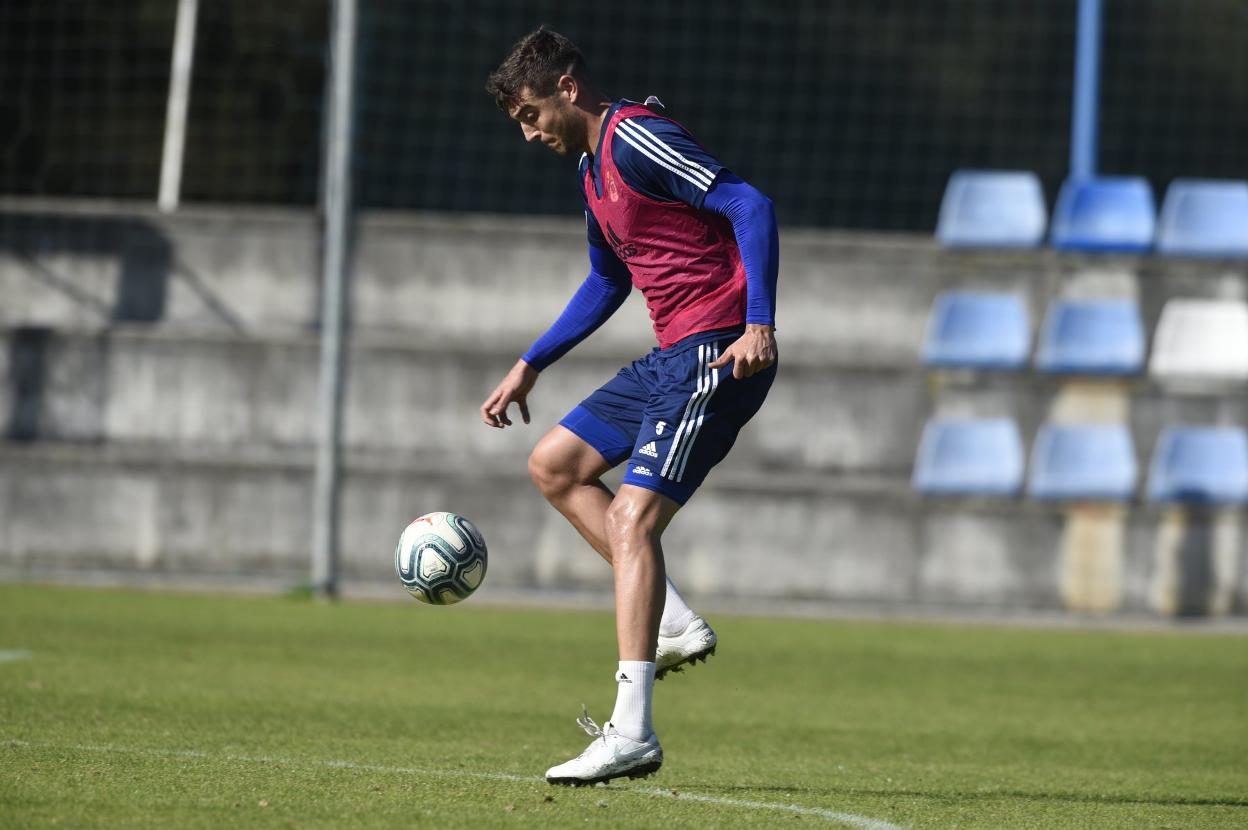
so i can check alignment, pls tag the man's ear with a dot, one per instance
(568, 87)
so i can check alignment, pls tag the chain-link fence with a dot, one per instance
(848, 114)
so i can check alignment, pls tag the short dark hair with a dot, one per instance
(537, 61)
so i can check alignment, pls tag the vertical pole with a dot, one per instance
(175, 109)
(336, 206)
(1083, 127)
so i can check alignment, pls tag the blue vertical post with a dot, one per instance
(1083, 126)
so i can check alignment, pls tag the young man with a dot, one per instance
(667, 217)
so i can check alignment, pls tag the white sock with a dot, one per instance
(676, 614)
(634, 689)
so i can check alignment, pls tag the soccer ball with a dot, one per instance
(441, 558)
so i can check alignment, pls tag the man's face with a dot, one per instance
(551, 120)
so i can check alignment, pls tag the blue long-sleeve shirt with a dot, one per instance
(608, 283)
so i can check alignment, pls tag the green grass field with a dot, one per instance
(134, 709)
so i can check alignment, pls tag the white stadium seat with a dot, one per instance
(1201, 340)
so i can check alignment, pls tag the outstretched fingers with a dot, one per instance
(749, 354)
(730, 355)
(744, 362)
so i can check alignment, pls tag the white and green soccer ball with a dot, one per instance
(441, 558)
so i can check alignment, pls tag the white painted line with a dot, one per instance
(862, 822)
(12, 656)
(848, 819)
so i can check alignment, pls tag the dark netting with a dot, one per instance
(1175, 89)
(849, 114)
(254, 128)
(82, 96)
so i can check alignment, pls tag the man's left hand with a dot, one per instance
(751, 353)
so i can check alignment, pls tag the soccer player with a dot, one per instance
(701, 245)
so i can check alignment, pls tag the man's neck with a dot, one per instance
(595, 127)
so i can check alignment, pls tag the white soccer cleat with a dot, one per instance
(610, 756)
(696, 642)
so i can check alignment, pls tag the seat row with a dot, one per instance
(1084, 462)
(1195, 339)
(1006, 209)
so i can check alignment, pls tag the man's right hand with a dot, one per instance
(513, 389)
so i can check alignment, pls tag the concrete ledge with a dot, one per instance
(863, 298)
(411, 398)
(759, 537)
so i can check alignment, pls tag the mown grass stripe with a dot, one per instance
(849, 819)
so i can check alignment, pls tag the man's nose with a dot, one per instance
(530, 133)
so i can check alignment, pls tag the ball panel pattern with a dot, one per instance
(441, 558)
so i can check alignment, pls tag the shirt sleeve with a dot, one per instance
(753, 221)
(660, 159)
(600, 295)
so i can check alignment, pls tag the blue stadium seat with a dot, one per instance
(969, 329)
(1086, 462)
(979, 457)
(1091, 337)
(1110, 215)
(992, 209)
(1204, 217)
(1200, 464)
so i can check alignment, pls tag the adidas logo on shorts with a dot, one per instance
(642, 471)
(650, 450)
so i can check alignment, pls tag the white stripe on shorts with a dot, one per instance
(697, 427)
(684, 421)
(686, 433)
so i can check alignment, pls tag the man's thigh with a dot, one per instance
(564, 450)
(610, 418)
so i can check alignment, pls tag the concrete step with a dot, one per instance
(139, 509)
(853, 297)
(140, 386)
(136, 385)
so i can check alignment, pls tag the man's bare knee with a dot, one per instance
(630, 524)
(621, 522)
(550, 471)
(562, 461)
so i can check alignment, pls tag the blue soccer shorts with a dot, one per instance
(670, 415)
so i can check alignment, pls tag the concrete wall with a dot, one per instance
(158, 388)
(136, 510)
(189, 392)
